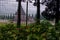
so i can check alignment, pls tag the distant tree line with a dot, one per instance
(9, 16)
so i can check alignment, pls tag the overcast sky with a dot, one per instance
(10, 6)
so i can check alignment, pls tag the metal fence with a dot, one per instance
(48, 12)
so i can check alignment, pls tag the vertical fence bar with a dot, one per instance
(27, 13)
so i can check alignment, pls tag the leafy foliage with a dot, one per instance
(43, 31)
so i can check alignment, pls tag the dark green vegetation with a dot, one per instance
(52, 10)
(7, 17)
(43, 31)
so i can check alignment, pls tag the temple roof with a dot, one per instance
(22, 12)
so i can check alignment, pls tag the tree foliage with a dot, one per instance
(50, 11)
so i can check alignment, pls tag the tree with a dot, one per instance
(48, 14)
(19, 14)
(38, 12)
(57, 12)
(19, 18)
(52, 11)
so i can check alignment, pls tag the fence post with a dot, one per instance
(27, 13)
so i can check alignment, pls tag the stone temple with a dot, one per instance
(23, 17)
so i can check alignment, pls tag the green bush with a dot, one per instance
(43, 31)
(7, 32)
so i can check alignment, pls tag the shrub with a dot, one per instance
(43, 31)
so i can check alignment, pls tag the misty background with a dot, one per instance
(10, 7)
